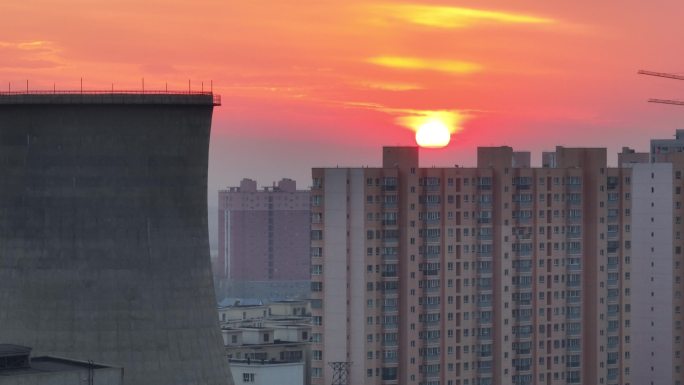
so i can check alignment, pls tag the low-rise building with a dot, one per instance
(267, 372)
(267, 344)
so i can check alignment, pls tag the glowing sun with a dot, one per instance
(433, 134)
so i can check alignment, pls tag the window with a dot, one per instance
(247, 377)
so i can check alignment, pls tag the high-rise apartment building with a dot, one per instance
(496, 274)
(264, 239)
(657, 239)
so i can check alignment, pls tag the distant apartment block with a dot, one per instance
(497, 274)
(264, 239)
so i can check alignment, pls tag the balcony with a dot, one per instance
(392, 326)
(571, 316)
(574, 266)
(431, 255)
(574, 299)
(612, 263)
(573, 348)
(431, 357)
(431, 306)
(390, 241)
(523, 269)
(485, 370)
(431, 374)
(522, 204)
(522, 220)
(523, 336)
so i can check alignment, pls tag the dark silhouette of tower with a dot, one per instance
(104, 249)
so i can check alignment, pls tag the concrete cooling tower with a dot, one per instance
(104, 251)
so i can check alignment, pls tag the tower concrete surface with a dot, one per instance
(104, 251)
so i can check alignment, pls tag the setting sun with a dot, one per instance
(433, 134)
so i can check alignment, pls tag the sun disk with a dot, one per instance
(433, 134)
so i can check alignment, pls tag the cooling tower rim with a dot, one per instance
(110, 98)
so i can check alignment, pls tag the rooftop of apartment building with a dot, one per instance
(250, 186)
(501, 156)
(240, 302)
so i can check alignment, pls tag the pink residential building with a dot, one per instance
(263, 235)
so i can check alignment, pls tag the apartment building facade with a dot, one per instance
(263, 240)
(500, 273)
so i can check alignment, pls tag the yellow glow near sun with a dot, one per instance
(433, 127)
(412, 63)
(456, 17)
(433, 134)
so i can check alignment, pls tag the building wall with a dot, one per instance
(335, 273)
(672, 151)
(652, 282)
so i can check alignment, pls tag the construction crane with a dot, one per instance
(664, 75)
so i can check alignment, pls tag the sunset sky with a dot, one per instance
(324, 83)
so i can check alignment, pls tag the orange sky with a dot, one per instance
(318, 83)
